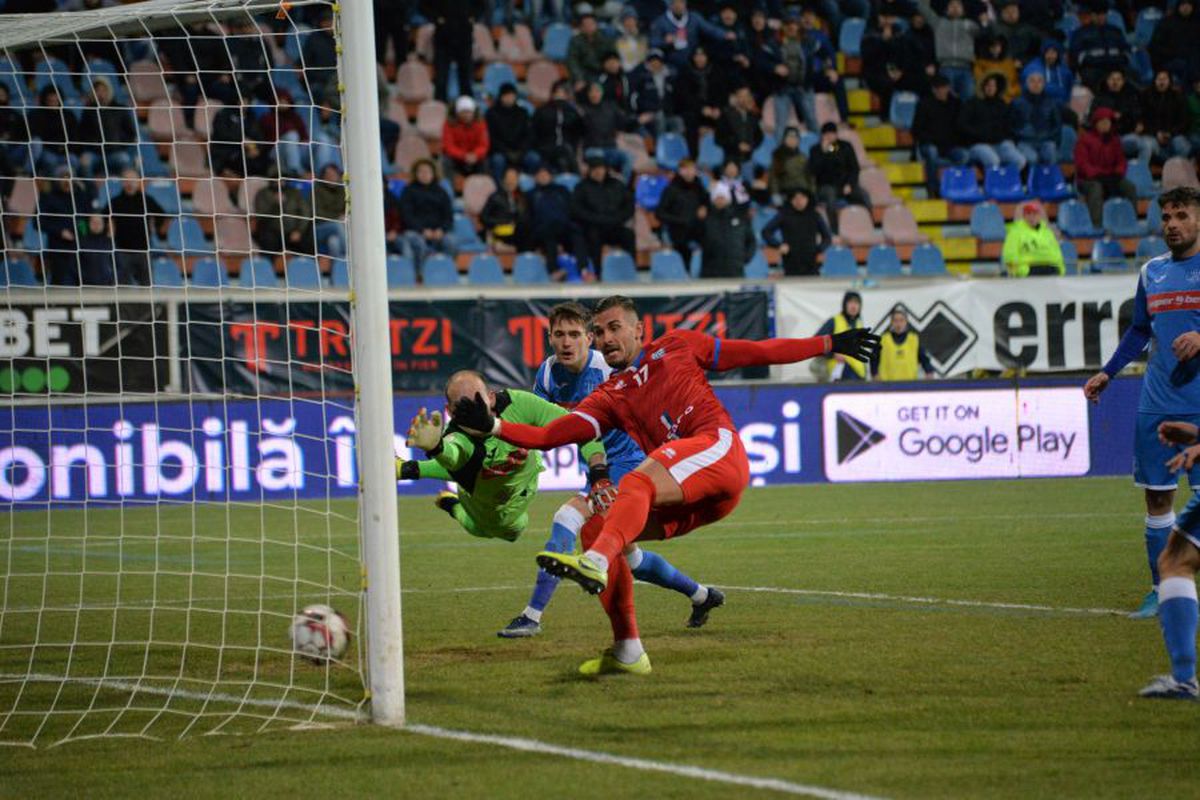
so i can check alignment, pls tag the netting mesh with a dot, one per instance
(177, 461)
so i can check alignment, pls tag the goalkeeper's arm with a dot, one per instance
(415, 470)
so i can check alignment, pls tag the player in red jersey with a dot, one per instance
(696, 467)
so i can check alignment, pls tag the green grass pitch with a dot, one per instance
(843, 658)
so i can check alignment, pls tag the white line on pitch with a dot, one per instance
(929, 601)
(647, 765)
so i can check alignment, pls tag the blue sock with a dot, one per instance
(567, 522)
(1158, 528)
(1177, 615)
(653, 568)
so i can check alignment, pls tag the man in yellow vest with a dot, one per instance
(1030, 246)
(844, 368)
(901, 356)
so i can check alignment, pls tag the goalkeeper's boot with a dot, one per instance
(1149, 607)
(1165, 687)
(607, 664)
(578, 568)
(715, 599)
(521, 627)
(446, 501)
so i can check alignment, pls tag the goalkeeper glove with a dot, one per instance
(603, 491)
(407, 470)
(857, 343)
(474, 413)
(425, 432)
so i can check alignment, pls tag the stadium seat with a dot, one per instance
(1121, 220)
(466, 238)
(757, 268)
(1107, 256)
(900, 227)
(165, 272)
(987, 223)
(1075, 221)
(22, 201)
(1046, 183)
(209, 273)
(18, 92)
(927, 260)
(1003, 184)
(530, 268)
(210, 197)
(1070, 256)
(556, 38)
(1179, 171)
(857, 228)
(303, 273)
(401, 272)
(54, 70)
(667, 265)
(1154, 215)
(827, 111)
(540, 78)
(475, 193)
(257, 272)
(496, 75)
(1141, 69)
(1068, 24)
(232, 234)
(485, 270)
(1138, 173)
(902, 110)
(339, 274)
(439, 270)
(839, 263)
(960, 185)
(33, 240)
(1151, 246)
(1116, 19)
(883, 262)
(618, 267)
(851, 35)
(146, 82)
(431, 117)
(761, 157)
(484, 45)
(184, 235)
(669, 150)
(711, 156)
(17, 272)
(1143, 28)
(517, 46)
(648, 190)
(567, 180)
(875, 183)
(152, 163)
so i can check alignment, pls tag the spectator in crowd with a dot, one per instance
(548, 222)
(739, 130)
(839, 367)
(731, 177)
(1024, 40)
(1030, 244)
(393, 21)
(236, 144)
(682, 209)
(586, 52)
(822, 75)
(393, 224)
(1100, 165)
(617, 86)
(1173, 46)
(731, 52)
(504, 214)
(653, 101)
(1164, 118)
(794, 89)
(453, 32)
(1124, 101)
(108, 132)
(557, 130)
(329, 210)
(631, 45)
(1037, 122)
(510, 133)
(48, 131)
(800, 233)
(789, 168)
(284, 125)
(678, 32)
(14, 140)
(1193, 109)
(994, 60)
(601, 208)
(134, 214)
(427, 213)
(283, 219)
(96, 251)
(834, 168)
(954, 39)
(767, 73)
(885, 60)
(1097, 48)
(319, 54)
(729, 242)
(935, 130)
(1058, 76)
(464, 139)
(59, 205)
(602, 121)
(901, 357)
(985, 123)
(248, 56)
(707, 92)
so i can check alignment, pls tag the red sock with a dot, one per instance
(626, 517)
(617, 597)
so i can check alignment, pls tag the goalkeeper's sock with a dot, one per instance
(1158, 528)
(1177, 615)
(653, 568)
(563, 532)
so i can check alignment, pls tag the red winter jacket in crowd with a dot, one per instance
(459, 139)
(1099, 156)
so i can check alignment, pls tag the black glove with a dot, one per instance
(407, 470)
(474, 413)
(857, 343)
(603, 491)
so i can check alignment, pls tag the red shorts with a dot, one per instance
(713, 471)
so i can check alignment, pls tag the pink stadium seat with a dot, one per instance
(165, 121)
(850, 135)
(517, 47)
(646, 238)
(210, 197)
(23, 200)
(856, 227)
(431, 118)
(410, 149)
(1081, 101)
(770, 124)
(395, 110)
(413, 82)
(1179, 171)
(476, 191)
(900, 227)
(540, 79)
(190, 159)
(424, 43)
(875, 182)
(232, 234)
(250, 189)
(205, 112)
(146, 82)
(484, 47)
(634, 146)
(827, 110)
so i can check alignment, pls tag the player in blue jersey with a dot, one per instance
(565, 378)
(1167, 312)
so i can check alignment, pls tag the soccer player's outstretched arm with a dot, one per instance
(736, 353)
(535, 410)
(474, 413)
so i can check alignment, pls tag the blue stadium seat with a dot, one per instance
(987, 222)
(696, 263)
(303, 273)
(1116, 19)
(152, 163)
(166, 194)
(439, 270)
(556, 38)
(184, 235)
(648, 190)
(485, 270)
(567, 180)
(1075, 221)
(761, 157)
(395, 186)
(667, 265)
(927, 260)
(1120, 218)
(496, 75)
(1107, 256)
(902, 110)
(1140, 66)
(466, 238)
(1003, 184)
(401, 272)
(757, 268)
(54, 70)
(18, 92)
(883, 262)
(669, 150)
(166, 272)
(1143, 28)
(32, 240)
(209, 273)
(851, 35)
(960, 185)
(1138, 173)
(807, 140)
(618, 267)
(839, 263)
(530, 268)
(339, 274)
(17, 272)
(1070, 256)
(711, 156)
(1046, 183)
(257, 272)
(1150, 247)
(1154, 215)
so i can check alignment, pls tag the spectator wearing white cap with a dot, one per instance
(729, 241)
(465, 141)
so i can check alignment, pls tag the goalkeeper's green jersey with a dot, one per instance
(496, 480)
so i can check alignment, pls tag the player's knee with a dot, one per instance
(567, 522)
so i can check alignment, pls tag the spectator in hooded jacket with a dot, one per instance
(683, 208)
(1097, 48)
(586, 52)
(1173, 46)
(678, 32)
(1024, 39)
(427, 213)
(548, 222)
(653, 100)
(1100, 165)
(986, 122)
(465, 141)
(557, 129)
(506, 211)
(1164, 118)
(834, 168)
(617, 86)
(602, 121)
(1059, 78)
(1037, 122)
(48, 131)
(994, 60)
(707, 92)
(800, 233)
(729, 242)
(1126, 104)
(739, 130)
(510, 133)
(109, 132)
(935, 130)
(788, 172)
(822, 74)
(954, 39)
(601, 208)
(60, 205)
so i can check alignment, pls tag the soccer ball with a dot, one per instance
(320, 634)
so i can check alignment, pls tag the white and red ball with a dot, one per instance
(320, 634)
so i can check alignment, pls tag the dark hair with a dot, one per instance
(569, 311)
(1180, 196)
(462, 373)
(615, 301)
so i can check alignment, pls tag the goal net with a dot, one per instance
(181, 348)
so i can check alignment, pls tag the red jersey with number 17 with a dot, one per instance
(664, 395)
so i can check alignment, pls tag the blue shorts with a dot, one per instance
(1188, 520)
(1150, 456)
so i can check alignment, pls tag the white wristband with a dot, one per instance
(496, 427)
